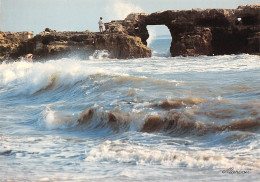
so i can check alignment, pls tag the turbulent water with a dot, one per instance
(150, 119)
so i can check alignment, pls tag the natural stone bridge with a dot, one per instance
(194, 32)
(203, 31)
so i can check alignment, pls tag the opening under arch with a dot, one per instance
(159, 40)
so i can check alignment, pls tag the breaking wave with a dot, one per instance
(161, 115)
(181, 118)
(99, 55)
(123, 152)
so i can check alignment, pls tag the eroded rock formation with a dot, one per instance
(194, 32)
(58, 44)
(204, 31)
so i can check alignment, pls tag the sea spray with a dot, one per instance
(156, 119)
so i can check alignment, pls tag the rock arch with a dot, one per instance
(204, 31)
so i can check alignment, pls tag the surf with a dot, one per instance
(169, 113)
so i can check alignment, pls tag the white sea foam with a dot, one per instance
(165, 53)
(99, 55)
(41, 133)
(28, 78)
(121, 152)
(52, 119)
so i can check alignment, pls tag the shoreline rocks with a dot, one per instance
(194, 32)
(50, 44)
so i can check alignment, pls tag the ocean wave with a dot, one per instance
(121, 152)
(180, 120)
(190, 114)
(29, 78)
(52, 119)
(178, 123)
(181, 102)
(33, 78)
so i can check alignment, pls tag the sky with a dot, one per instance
(81, 15)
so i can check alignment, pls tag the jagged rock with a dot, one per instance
(194, 32)
(10, 43)
(205, 31)
(55, 44)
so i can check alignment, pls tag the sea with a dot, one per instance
(148, 119)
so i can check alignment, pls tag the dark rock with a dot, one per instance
(51, 44)
(205, 31)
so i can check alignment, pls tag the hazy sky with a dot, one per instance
(80, 15)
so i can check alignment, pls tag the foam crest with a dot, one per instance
(52, 119)
(179, 117)
(99, 55)
(29, 78)
(121, 152)
(10, 72)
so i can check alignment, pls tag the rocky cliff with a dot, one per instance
(194, 32)
(50, 43)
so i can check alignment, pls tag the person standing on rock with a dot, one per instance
(100, 23)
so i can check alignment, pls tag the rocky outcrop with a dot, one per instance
(56, 44)
(205, 31)
(194, 32)
(11, 41)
